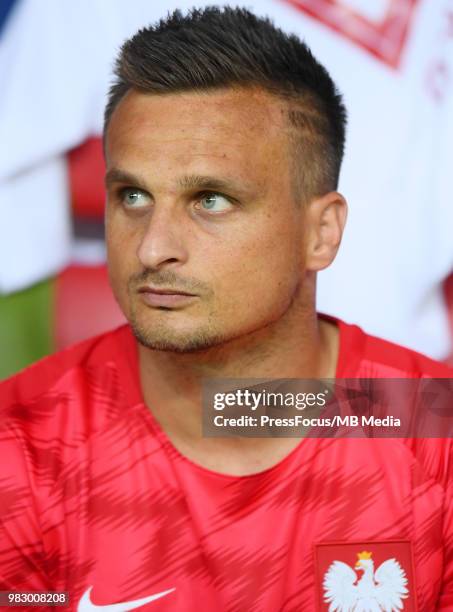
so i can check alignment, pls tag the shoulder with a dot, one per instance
(403, 360)
(52, 371)
(50, 411)
(71, 394)
(366, 356)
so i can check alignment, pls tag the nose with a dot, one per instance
(163, 242)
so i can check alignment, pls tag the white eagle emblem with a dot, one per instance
(372, 592)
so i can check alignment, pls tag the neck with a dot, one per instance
(300, 351)
(298, 345)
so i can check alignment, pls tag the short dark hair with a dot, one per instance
(214, 48)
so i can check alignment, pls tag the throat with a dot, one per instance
(172, 389)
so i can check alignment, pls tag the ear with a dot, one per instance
(326, 218)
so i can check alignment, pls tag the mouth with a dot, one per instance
(160, 291)
(159, 297)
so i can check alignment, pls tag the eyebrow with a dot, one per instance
(188, 182)
(196, 181)
(116, 175)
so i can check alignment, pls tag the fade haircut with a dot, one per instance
(215, 48)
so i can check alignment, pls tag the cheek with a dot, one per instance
(121, 258)
(262, 268)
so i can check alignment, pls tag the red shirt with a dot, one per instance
(94, 494)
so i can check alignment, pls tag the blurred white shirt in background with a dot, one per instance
(392, 60)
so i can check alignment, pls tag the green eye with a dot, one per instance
(215, 202)
(134, 198)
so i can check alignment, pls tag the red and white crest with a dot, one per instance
(365, 576)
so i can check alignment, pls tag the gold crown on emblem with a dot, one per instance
(364, 555)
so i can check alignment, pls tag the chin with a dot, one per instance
(164, 338)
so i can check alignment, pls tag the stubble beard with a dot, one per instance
(160, 336)
(154, 329)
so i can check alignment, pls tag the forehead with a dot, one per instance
(245, 127)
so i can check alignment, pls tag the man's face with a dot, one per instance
(201, 202)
